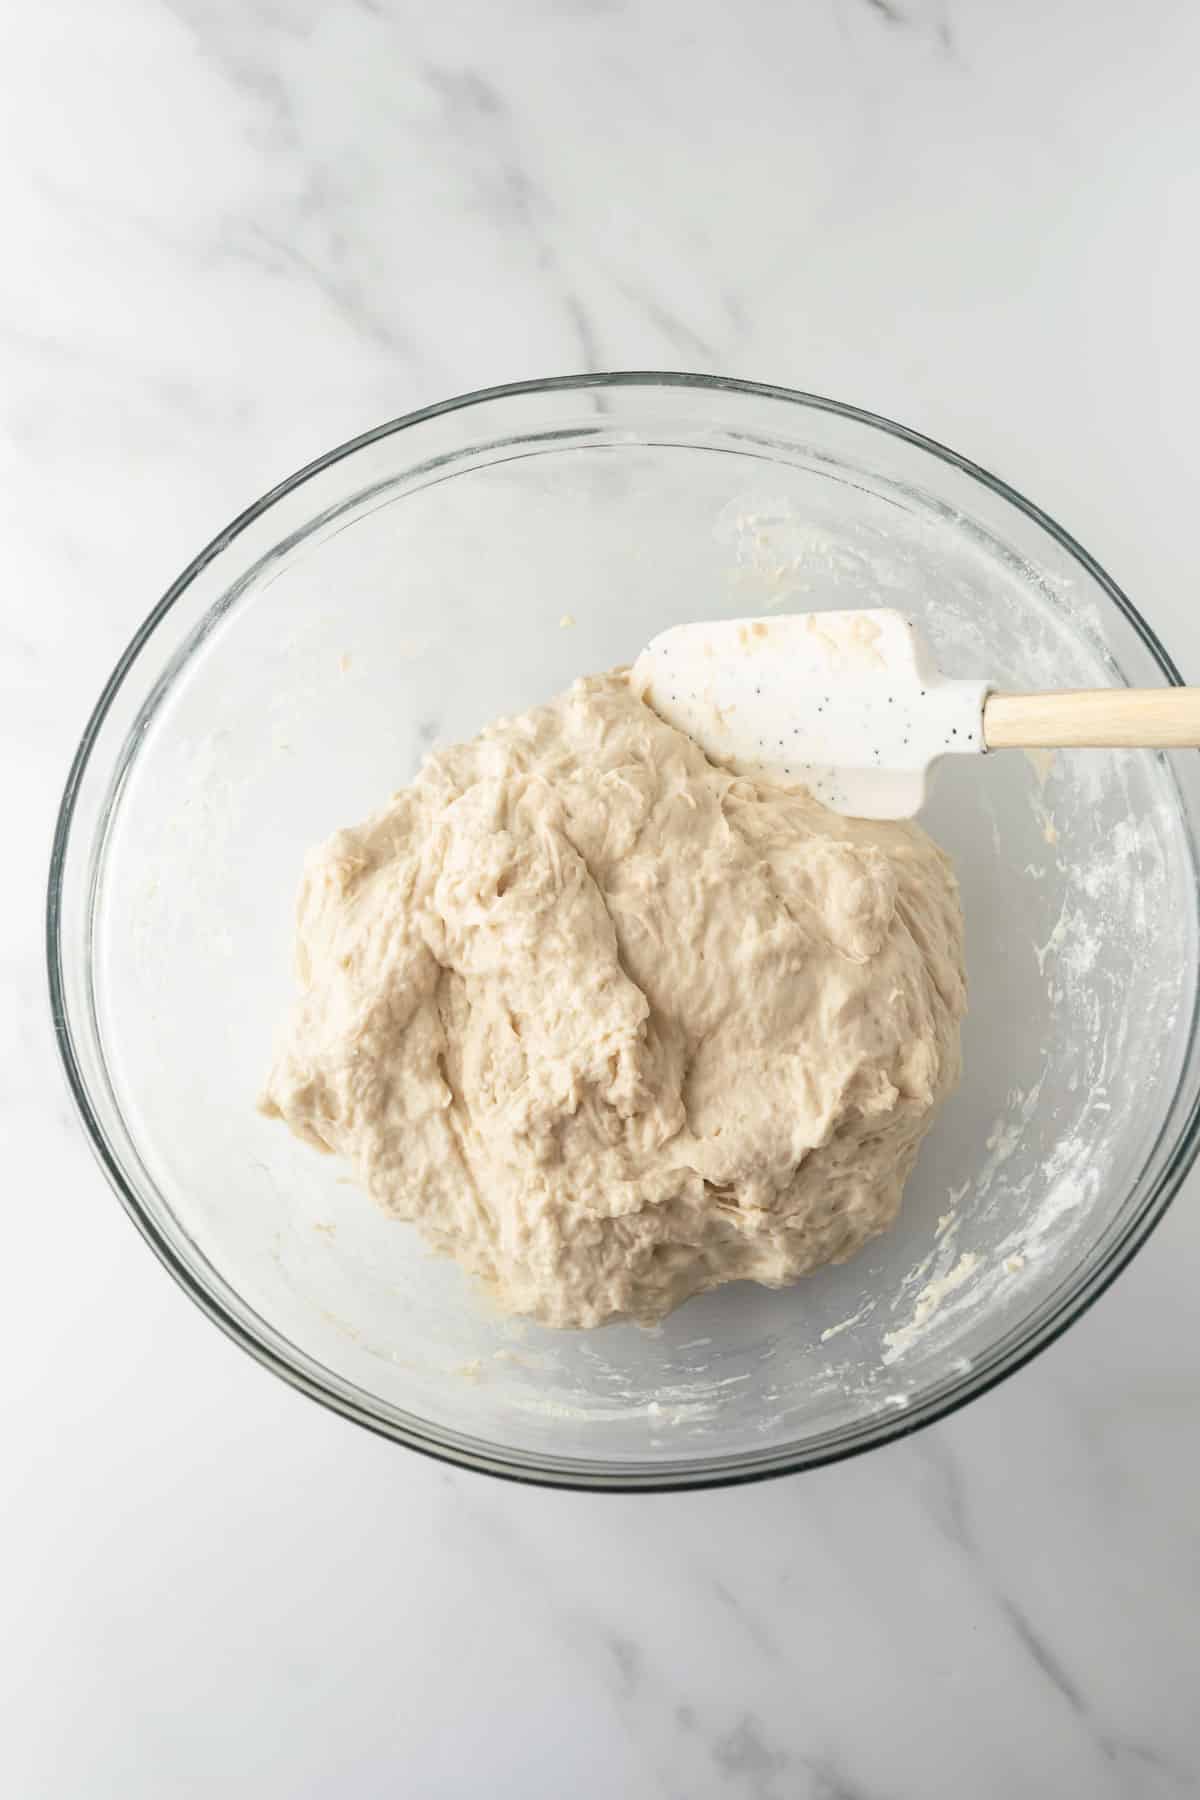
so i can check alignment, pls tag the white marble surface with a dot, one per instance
(238, 231)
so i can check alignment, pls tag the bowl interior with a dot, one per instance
(406, 600)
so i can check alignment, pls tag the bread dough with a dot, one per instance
(614, 1026)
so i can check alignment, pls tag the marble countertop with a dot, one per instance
(240, 231)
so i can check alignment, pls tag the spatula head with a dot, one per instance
(847, 704)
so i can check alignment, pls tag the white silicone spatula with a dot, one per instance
(852, 706)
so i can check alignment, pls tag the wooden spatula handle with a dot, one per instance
(1145, 718)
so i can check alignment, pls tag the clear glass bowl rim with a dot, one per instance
(544, 1472)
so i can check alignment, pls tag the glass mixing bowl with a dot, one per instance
(470, 561)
